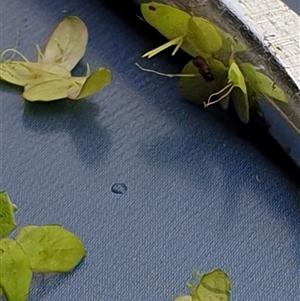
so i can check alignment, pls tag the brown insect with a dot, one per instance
(203, 68)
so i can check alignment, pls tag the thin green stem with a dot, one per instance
(177, 41)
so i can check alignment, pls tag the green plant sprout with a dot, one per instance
(50, 78)
(231, 79)
(46, 248)
(211, 286)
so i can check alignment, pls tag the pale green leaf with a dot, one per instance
(251, 81)
(250, 75)
(67, 43)
(96, 81)
(269, 88)
(51, 89)
(169, 21)
(68, 87)
(7, 219)
(21, 73)
(23, 232)
(213, 286)
(51, 248)
(241, 104)
(197, 89)
(204, 36)
(236, 77)
(194, 35)
(15, 275)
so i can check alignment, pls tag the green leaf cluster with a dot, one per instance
(211, 286)
(50, 78)
(239, 82)
(46, 248)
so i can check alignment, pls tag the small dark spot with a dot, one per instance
(203, 68)
(119, 188)
(274, 86)
(152, 7)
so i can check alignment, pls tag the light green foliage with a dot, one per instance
(15, 275)
(204, 36)
(67, 87)
(194, 35)
(269, 88)
(236, 77)
(46, 248)
(250, 75)
(49, 78)
(212, 286)
(229, 44)
(51, 248)
(23, 72)
(67, 43)
(238, 93)
(169, 21)
(50, 89)
(197, 89)
(7, 219)
(226, 86)
(261, 84)
(96, 81)
(200, 37)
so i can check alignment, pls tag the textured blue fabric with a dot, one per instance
(201, 191)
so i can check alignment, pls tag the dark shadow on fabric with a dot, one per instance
(47, 283)
(10, 88)
(78, 119)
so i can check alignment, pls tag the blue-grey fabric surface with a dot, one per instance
(203, 191)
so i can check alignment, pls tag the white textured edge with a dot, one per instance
(276, 26)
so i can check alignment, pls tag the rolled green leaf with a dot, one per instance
(15, 275)
(7, 219)
(67, 43)
(51, 248)
(213, 286)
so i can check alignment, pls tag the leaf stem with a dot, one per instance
(177, 41)
(14, 51)
(165, 74)
(209, 103)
